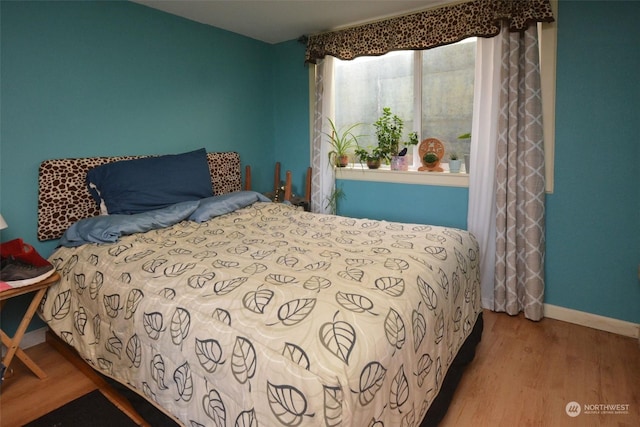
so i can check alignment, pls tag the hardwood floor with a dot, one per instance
(524, 374)
(25, 398)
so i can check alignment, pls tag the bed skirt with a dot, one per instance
(467, 352)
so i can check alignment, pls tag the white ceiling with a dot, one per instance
(275, 21)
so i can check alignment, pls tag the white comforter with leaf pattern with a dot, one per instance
(273, 316)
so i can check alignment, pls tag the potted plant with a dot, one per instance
(454, 162)
(430, 160)
(389, 132)
(341, 141)
(372, 156)
(336, 195)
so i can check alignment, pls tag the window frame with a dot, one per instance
(548, 53)
(548, 32)
(358, 172)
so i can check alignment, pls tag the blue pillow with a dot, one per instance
(149, 183)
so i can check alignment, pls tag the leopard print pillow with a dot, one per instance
(63, 197)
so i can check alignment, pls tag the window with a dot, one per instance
(432, 91)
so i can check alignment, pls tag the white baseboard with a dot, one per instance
(594, 321)
(34, 337)
(31, 338)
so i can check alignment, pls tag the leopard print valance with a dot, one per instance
(429, 29)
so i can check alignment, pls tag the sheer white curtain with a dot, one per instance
(322, 181)
(481, 216)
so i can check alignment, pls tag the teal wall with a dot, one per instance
(593, 225)
(421, 204)
(85, 79)
(105, 78)
(291, 112)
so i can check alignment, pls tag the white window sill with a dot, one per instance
(358, 172)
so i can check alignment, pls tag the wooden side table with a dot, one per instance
(13, 344)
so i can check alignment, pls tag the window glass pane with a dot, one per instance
(447, 94)
(365, 85)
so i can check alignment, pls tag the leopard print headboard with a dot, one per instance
(63, 197)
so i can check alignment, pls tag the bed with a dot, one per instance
(233, 310)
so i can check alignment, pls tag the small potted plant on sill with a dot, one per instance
(341, 141)
(430, 160)
(454, 162)
(372, 157)
(389, 132)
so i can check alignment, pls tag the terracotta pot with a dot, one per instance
(342, 161)
(431, 165)
(373, 164)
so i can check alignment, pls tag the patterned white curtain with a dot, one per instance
(520, 184)
(322, 178)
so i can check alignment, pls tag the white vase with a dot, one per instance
(454, 166)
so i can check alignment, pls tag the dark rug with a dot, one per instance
(151, 414)
(95, 410)
(92, 409)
